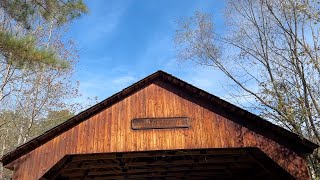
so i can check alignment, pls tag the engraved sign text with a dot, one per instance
(160, 123)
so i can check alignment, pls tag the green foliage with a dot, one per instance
(11, 122)
(59, 10)
(23, 52)
(36, 65)
(52, 119)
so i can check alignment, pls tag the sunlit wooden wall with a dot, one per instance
(110, 131)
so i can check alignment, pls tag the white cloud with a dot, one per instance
(105, 25)
(101, 23)
(105, 85)
(123, 81)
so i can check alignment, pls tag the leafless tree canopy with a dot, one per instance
(270, 50)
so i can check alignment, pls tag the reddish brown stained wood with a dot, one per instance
(75, 139)
(110, 131)
(90, 139)
(97, 127)
(101, 132)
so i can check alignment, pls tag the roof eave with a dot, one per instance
(306, 146)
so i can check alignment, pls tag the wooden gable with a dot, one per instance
(107, 128)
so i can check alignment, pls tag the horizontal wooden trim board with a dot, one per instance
(160, 123)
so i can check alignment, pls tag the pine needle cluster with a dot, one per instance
(23, 51)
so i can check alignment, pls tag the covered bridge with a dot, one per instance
(162, 128)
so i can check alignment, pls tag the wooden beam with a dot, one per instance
(53, 173)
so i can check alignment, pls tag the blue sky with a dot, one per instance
(121, 42)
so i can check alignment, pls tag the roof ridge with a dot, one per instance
(307, 145)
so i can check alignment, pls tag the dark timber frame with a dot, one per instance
(234, 163)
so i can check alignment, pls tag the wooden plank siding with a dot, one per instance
(110, 131)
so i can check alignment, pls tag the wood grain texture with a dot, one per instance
(110, 131)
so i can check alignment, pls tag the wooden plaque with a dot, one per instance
(160, 123)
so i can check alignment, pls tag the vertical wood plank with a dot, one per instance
(110, 131)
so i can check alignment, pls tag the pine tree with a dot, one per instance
(19, 47)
